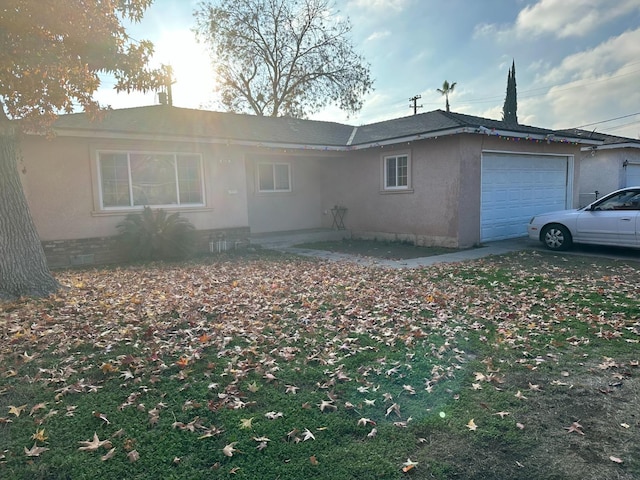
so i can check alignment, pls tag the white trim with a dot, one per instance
(611, 146)
(402, 188)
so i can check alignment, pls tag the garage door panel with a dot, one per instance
(516, 187)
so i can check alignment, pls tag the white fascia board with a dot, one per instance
(326, 148)
(613, 146)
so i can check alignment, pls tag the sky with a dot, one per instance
(577, 61)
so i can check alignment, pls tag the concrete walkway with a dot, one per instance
(492, 248)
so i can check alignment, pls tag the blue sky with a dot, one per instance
(577, 61)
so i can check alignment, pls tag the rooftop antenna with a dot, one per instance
(414, 103)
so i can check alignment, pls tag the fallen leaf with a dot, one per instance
(574, 427)
(34, 451)
(108, 455)
(101, 417)
(229, 449)
(520, 396)
(16, 410)
(39, 436)
(133, 456)
(327, 404)
(245, 423)
(313, 460)
(291, 389)
(94, 444)
(471, 425)
(37, 407)
(408, 465)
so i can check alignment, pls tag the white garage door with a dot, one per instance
(516, 187)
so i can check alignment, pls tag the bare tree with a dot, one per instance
(282, 57)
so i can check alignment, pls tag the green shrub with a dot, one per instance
(155, 235)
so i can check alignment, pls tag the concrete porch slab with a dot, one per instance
(275, 240)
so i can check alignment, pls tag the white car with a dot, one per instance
(612, 220)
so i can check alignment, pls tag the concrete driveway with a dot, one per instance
(499, 247)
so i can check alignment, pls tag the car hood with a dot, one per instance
(561, 213)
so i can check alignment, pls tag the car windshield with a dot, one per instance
(627, 200)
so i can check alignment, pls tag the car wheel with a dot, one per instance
(556, 237)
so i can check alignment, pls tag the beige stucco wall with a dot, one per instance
(426, 214)
(60, 180)
(299, 209)
(443, 205)
(604, 171)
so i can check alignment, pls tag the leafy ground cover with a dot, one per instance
(377, 249)
(273, 366)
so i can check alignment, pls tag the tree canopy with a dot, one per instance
(51, 55)
(283, 57)
(52, 52)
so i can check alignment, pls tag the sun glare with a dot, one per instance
(193, 74)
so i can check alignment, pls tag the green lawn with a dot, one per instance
(267, 366)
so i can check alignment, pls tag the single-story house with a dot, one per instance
(607, 167)
(437, 178)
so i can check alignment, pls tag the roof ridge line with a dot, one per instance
(352, 136)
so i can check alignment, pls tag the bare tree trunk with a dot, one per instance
(23, 266)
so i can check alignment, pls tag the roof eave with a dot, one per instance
(612, 146)
(549, 138)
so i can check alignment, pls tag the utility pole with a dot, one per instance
(166, 96)
(415, 105)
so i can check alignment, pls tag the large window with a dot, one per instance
(396, 172)
(139, 179)
(274, 177)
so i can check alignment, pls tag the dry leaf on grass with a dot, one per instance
(94, 444)
(34, 451)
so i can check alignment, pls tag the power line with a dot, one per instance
(609, 120)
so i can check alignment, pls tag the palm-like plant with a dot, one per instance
(446, 90)
(154, 235)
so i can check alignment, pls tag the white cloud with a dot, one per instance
(560, 18)
(590, 86)
(378, 35)
(603, 60)
(568, 19)
(379, 5)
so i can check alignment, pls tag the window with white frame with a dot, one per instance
(274, 177)
(396, 172)
(131, 179)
